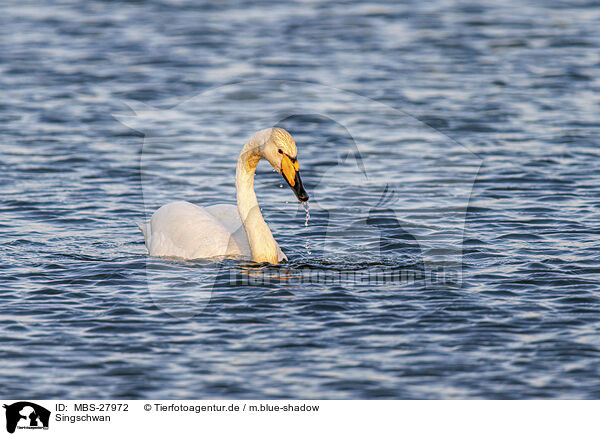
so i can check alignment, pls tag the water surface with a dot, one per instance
(491, 107)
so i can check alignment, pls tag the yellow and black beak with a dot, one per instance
(290, 172)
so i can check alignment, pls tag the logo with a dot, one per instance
(407, 225)
(26, 415)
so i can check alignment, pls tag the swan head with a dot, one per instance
(280, 150)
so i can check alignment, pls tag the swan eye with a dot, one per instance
(280, 151)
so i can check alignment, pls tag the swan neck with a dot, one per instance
(261, 241)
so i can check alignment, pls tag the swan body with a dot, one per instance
(184, 230)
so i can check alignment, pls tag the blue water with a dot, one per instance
(460, 137)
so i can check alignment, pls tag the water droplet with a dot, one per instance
(306, 210)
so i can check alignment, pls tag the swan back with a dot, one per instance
(181, 229)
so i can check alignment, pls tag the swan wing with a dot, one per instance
(280, 254)
(229, 216)
(184, 230)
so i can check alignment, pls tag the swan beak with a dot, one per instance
(290, 172)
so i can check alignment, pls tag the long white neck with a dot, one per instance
(260, 238)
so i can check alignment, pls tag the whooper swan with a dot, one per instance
(184, 230)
